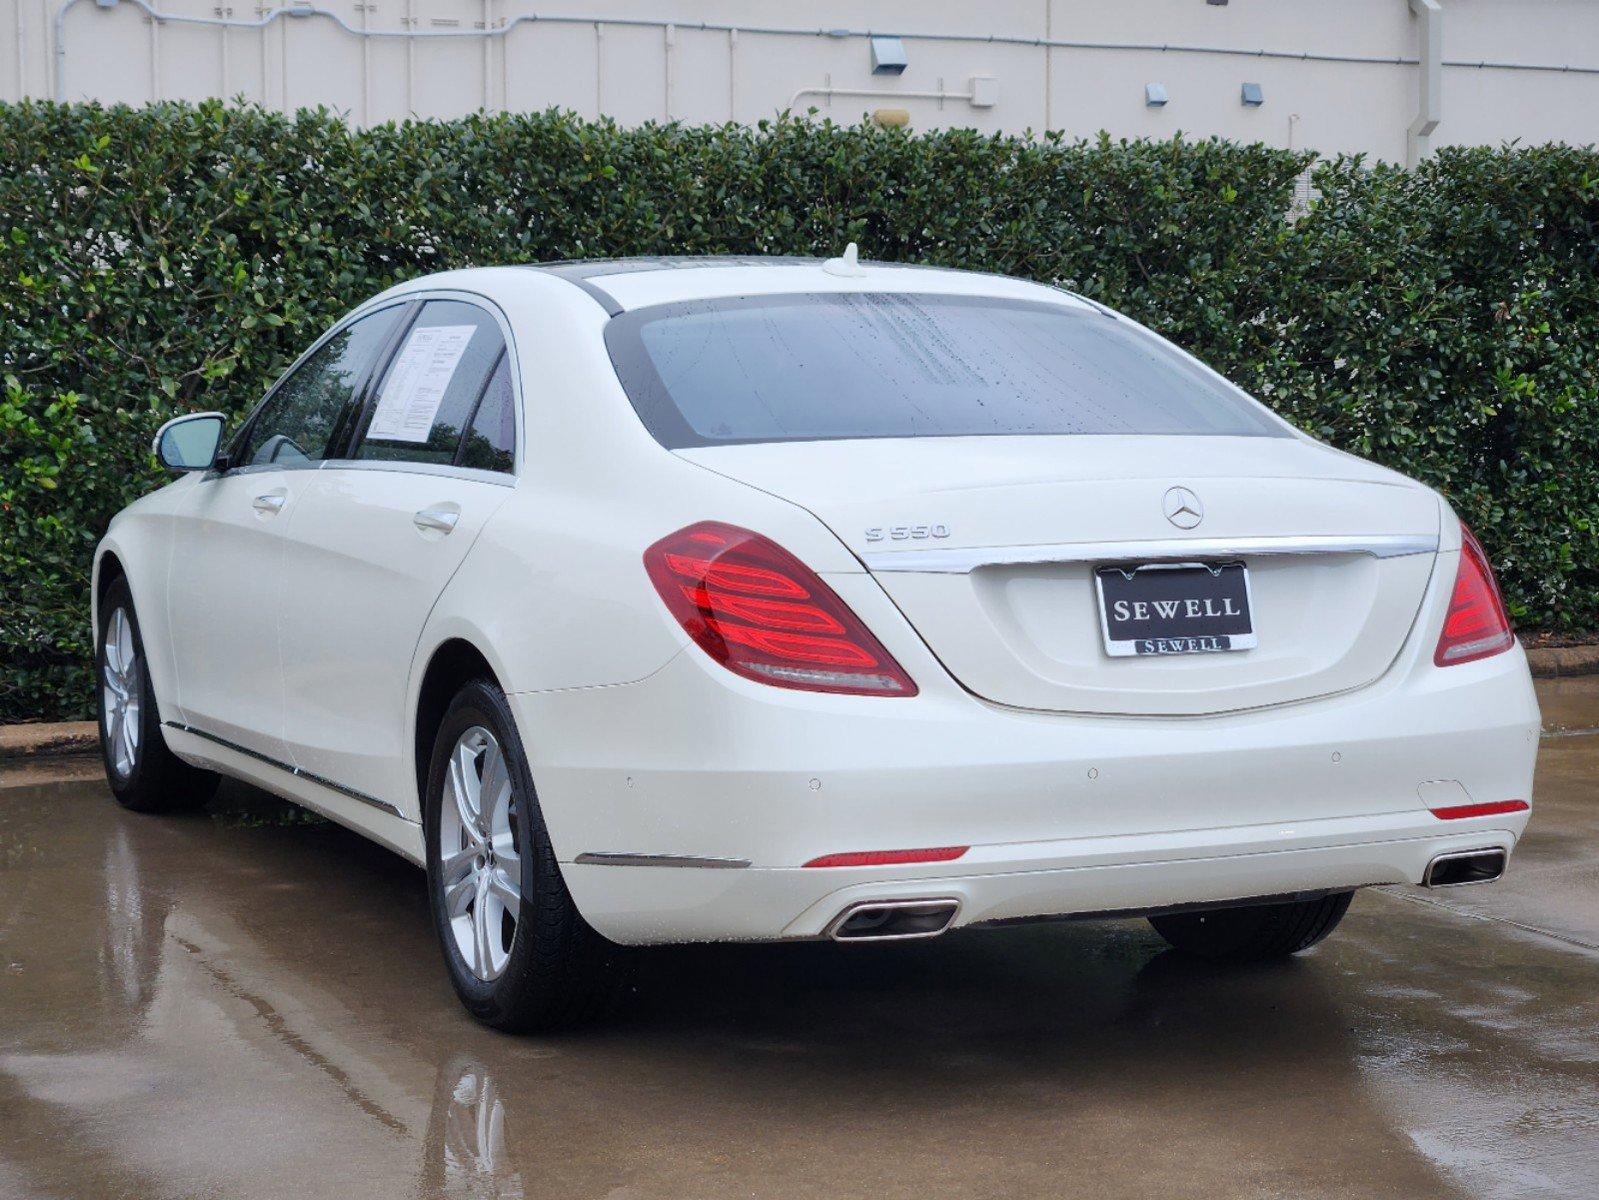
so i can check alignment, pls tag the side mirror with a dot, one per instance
(189, 443)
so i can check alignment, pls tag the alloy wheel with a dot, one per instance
(120, 694)
(480, 861)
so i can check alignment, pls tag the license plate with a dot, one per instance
(1175, 608)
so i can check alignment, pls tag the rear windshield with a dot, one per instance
(884, 365)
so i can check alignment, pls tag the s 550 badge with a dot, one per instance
(905, 533)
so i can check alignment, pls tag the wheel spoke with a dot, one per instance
(458, 895)
(129, 737)
(508, 893)
(456, 782)
(469, 788)
(125, 641)
(495, 791)
(113, 644)
(480, 930)
(456, 864)
(113, 733)
(509, 861)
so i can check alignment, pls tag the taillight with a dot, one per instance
(1476, 626)
(763, 614)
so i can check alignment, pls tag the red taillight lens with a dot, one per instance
(889, 858)
(1493, 808)
(763, 614)
(1476, 626)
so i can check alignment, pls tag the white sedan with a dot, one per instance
(666, 600)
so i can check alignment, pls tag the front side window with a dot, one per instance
(808, 367)
(433, 384)
(298, 420)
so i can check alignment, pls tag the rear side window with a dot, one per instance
(295, 423)
(884, 365)
(491, 441)
(430, 389)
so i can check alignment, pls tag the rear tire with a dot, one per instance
(145, 776)
(1253, 932)
(520, 955)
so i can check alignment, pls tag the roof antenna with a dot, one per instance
(847, 263)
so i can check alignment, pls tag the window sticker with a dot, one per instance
(417, 382)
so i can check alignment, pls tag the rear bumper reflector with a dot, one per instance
(889, 858)
(1492, 809)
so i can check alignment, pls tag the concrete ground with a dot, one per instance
(247, 1004)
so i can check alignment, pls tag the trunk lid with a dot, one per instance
(989, 546)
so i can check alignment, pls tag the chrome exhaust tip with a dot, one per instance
(1464, 866)
(893, 920)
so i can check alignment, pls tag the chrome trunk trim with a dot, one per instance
(961, 562)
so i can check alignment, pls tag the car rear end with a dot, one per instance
(1108, 637)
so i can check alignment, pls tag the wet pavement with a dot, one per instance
(247, 1004)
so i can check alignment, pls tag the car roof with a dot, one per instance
(621, 284)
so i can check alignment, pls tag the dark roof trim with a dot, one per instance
(602, 297)
(583, 271)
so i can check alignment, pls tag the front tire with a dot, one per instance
(1253, 932)
(519, 953)
(144, 775)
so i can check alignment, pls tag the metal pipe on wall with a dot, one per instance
(668, 41)
(829, 91)
(155, 60)
(20, 33)
(365, 9)
(1418, 137)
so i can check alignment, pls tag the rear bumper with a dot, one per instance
(652, 904)
(1064, 814)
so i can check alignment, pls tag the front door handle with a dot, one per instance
(441, 518)
(270, 503)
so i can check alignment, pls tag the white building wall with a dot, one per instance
(119, 54)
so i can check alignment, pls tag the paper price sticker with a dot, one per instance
(417, 382)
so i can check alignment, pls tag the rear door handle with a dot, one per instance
(270, 503)
(441, 518)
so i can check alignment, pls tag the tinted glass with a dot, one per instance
(295, 423)
(873, 365)
(431, 386)
(491, 442)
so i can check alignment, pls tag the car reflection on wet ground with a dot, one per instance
(244, 1004)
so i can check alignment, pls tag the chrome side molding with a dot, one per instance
(591, 858)
(961, 562)
(297, 772)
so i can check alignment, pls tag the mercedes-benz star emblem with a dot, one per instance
(1182, 508)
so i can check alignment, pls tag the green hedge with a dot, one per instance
(1443, 321)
